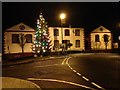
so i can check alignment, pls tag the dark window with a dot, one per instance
(28, 38)
(77, 32)
(97, 38)
(56, 32)
(77, 43)
(56, 43)
(15, 38)
(66, 42)
(67, 33)
(101, 29)
(106, 38)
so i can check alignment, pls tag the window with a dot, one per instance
(28, 38)
(77, 32)
(101, 29)
(106, 38)
(56, 32)
(77, 43)
(66, 42)
(15, 38)
(67, 33)
(97, 38)
(56, 43)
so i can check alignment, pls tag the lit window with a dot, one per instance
(77, 43)
(77, 32)
(67, 32)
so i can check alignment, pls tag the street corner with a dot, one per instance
(17, 83)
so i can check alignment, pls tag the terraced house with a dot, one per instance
(100, 39)
(74, 36)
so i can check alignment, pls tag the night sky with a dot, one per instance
(87, 15)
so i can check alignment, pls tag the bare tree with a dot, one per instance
(106, 40)
(96, 45)
(22, 41)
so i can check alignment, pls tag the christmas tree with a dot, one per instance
(41, 44)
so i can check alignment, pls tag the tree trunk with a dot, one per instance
(22, 48)
(105, 46)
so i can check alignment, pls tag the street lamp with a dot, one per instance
(62, 18)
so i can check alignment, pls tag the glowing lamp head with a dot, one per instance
(62, 16)
(119, 38)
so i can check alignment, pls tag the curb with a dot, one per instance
(29, 61)
(18, 83)
(50, 58)
(18, 63)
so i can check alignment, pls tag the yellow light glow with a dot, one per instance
(62, 16)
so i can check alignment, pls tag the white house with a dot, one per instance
(12, 41)
(75, 36)
(101, 39)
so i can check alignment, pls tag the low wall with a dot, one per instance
(16, 56)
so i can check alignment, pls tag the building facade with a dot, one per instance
(101, 39)
(16, 36)
(21, 34)
(59, 35)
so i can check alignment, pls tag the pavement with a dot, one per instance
(24, 61)
(8, 82)
(19, 83)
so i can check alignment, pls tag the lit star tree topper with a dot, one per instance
(42, 40)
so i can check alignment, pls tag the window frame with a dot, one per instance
(56, 32)
(15, 39)
(67, 32)
(97, 38)
(106, 37)
(57, 43)
(77, 34)
(28, 37)
(76, 43)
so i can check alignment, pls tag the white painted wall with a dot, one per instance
(72, 37)
(15, 47)
(100, 45)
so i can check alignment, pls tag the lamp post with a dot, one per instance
(62, 17)
(62, 20)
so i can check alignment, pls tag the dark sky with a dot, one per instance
(87, 15)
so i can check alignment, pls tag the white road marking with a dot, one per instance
(97, 85)
(83, 76)
(67, 60)
(74, 70)
(61, 81)
(63, 61)
(79, 74)
(46, 66)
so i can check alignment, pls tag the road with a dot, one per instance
(79, 71)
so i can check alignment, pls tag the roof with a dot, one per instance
(100, 30)
(20, 27)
